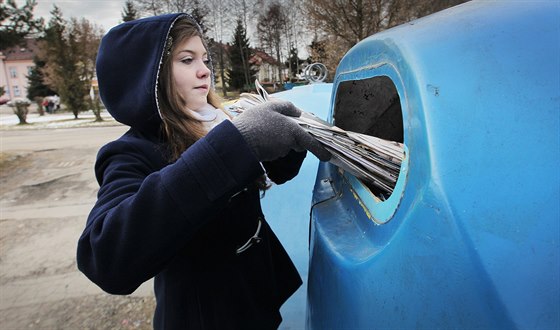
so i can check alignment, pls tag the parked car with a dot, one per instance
(4, 99)
(470, 236)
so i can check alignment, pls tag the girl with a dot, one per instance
(179, 192)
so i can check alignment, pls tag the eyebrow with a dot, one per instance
(191, 52)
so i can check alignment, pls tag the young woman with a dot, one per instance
(179, 196)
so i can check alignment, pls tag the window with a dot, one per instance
(16, 90)
(13, 72)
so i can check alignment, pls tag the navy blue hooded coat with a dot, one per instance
(180, 222)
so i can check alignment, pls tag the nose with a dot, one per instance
(203, 71)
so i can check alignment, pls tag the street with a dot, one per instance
(47, 189)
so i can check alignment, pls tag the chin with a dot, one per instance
(196, 105)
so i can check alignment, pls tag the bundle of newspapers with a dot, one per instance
(369, 158)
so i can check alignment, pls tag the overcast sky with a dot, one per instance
(105, 13)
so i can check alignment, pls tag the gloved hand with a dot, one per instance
(271, 134)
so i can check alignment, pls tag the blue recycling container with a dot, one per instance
(470, 236)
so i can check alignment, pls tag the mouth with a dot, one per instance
(201, 87)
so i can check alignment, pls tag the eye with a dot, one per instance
(206, 61)
(187, 60)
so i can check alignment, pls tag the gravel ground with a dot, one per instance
(90, 312)
(46, 191)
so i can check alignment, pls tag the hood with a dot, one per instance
(128, 65)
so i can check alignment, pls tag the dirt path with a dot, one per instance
(47, 187)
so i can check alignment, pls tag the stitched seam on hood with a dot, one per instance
(199, 28)
(161, 61)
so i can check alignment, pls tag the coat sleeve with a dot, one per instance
(144, 216)
(285, 168)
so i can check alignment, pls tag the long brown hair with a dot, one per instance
(180, 129)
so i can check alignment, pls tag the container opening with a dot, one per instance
(370, 106)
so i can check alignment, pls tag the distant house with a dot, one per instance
(15, 65)
(268, 66)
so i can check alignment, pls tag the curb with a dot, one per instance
(57, 120)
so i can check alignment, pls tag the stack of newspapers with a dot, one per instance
(371, 159)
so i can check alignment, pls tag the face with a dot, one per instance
(191, 73)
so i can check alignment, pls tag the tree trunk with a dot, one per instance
(222, 74)
(279, 64)
(21, 112)
(97, 110)
(245, 70)
(39, 102)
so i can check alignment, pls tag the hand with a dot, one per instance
(271, 133)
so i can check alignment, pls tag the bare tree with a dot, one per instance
(344, 23)
(353, 20)
(151, 7)
(246, 9)
(220, 18)
(271, 27)
(297, 32)
(424, 8)
(158, 7)
(178, 5)
(198, 9)
(350, 21)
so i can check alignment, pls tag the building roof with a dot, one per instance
(260, 56)
(21, 53)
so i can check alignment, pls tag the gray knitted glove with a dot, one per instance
(271, 134)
